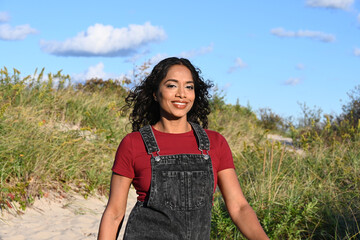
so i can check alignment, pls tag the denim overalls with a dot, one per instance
(181, 193)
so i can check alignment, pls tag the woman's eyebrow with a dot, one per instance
(171, 80)
(174, 80)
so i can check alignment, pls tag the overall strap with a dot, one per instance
(149, 139)
(202, 137)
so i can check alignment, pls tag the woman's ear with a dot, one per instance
(155, 98)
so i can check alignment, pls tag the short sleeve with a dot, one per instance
(123, 164)
(225, 156)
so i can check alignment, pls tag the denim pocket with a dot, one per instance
(184, 190)
(198, 189)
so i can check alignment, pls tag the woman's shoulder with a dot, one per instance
(133, 135)
(132, 143)
(215, 136)
(213, 133)
(220, 150)
(131, 138)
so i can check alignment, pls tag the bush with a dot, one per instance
(99, 85)
(351, 110)
(270, 120)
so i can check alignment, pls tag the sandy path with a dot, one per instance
(72, 217)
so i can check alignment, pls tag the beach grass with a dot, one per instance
(55, 135)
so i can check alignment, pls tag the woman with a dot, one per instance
(173, 163)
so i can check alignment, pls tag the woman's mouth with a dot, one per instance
(180, 105)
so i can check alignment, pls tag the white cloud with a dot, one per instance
(342, 4)
(358, 18)
(226, 86)
(239, 64)
(160, 56)
(96, 71)
(324, 37)
(4, 17)
(197, 52)
(157, 58)
(292, 81)
(7, 32)
(135, 57)
(357, 52)
(101, 40)
(300, 66)
(20, 32)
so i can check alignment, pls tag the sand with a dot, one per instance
(59, 216)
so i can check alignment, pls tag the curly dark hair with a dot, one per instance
(145, 110)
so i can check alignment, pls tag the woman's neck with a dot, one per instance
(172, 126)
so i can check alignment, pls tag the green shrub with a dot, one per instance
(270, 120)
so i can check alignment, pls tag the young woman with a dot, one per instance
(173, 162)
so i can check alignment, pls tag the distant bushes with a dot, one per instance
(334, 129)
(100, 85)
(270, 120)
(351, 110)
(313, 128)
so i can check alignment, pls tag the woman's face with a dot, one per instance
(176, 93)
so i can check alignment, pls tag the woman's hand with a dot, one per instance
(239, 209)
(116, 207)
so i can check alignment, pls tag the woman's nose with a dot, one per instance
(181, 92)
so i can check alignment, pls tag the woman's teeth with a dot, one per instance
(179, 104)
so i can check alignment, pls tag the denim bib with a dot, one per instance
(181, 193)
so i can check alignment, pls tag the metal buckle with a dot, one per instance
(205, 155)
(157, 158)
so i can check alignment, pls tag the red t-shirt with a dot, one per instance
(133, 161)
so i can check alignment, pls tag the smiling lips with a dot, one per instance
(180, 105)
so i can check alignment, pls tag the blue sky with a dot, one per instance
(272, 54)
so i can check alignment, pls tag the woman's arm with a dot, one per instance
(115, 209)
(239, 209)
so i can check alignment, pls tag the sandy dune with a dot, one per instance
(56, 217)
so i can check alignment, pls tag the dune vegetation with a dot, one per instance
(59, 136)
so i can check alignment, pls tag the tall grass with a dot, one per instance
(57, 136)
(312, 194)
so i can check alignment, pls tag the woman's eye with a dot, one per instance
(170, 86)
(191, 87)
